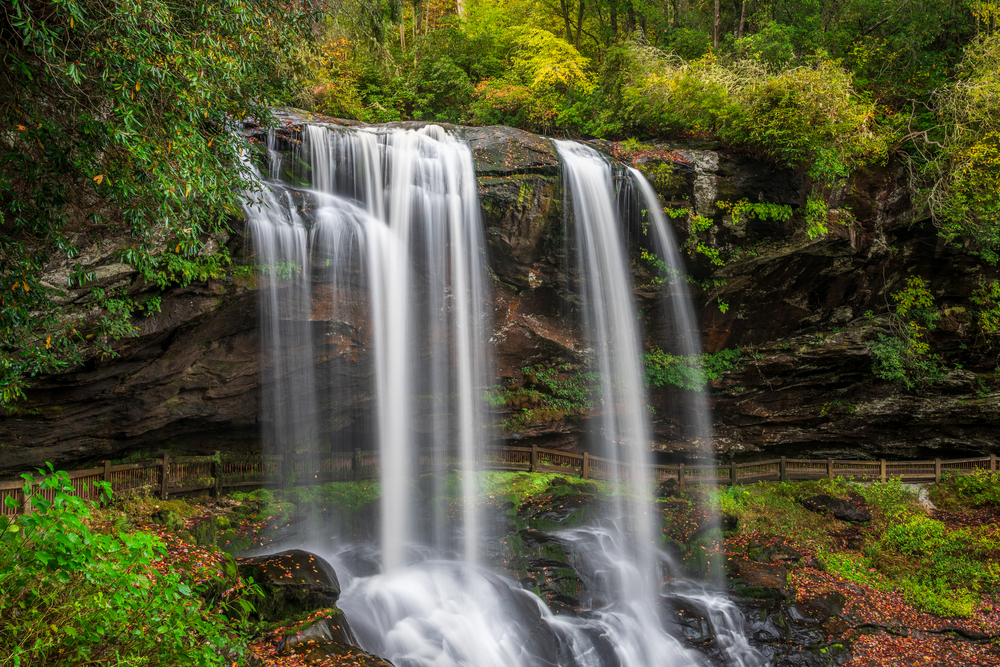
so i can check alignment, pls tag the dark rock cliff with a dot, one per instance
(801, 310)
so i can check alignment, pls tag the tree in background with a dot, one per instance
(115, 122)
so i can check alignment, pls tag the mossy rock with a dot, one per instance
(292, 583)
(233, 542)
(204, 532)
(168, 519)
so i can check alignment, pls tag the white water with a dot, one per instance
(611, 326)
(393, 215)
(436, 613)
(392, 248)
(685, 326)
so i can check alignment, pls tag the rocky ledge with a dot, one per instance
(802, 311)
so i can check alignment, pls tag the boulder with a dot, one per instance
(846, 509)
(293, 582)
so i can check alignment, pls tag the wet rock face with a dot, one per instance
(294, 582)
(190, 383)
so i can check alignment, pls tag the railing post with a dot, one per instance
(217, 474)
(586, 466)
(534, 458)
(26, 504)
(356, 464)
(107, 479)
(829, 468)
(937, 470)
(783, 469)
(732, 474)
(164, 469)
(680, 477)
(993, 462)
(882, 470)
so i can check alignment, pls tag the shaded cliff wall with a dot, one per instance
(800, 310)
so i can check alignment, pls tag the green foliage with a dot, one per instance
(903, 355)
(966, 194)
(689, 372)
(743, 210)
(771, 45)
(806, 118)
(546, 78)
(816, 212)
(979, 489)
(71, 596)
(987, 296)
(115, 120)
(548, 393)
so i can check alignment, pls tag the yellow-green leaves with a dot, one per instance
(546, 61)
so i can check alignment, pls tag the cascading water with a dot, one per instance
(394, 215)
(610, 322)
(386, 247)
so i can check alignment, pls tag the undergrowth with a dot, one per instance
(73, 595)
(955, 492)
(939, 570)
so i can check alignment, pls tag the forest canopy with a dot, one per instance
(116, 118)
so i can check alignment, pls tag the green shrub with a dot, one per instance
(979, 489)
(903, 355)
(807, 117)
(688, 372)
(70, 596)
(771, 45)
(966, 194)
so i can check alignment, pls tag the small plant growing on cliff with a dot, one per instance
(547, 393)
(903, 355)
(688, 372)
(816, 211)
(987, 297)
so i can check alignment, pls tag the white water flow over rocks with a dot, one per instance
(378, 261)
(610, 323)
(392, 251)
(685, 326)
(446, 614)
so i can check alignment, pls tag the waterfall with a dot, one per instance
(392, 224)
(686, 340)
(611, 326)
(378, 263)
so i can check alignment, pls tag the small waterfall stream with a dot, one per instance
(381, 260)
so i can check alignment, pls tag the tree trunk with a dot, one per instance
(613, 19)
(402, 35)
(715, 40)
(743, 16)
(461, 7)
(564, 6)
(416, 6)
(631, 17)
(677, 13)
(579, 22)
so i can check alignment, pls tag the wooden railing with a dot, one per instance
(174, 475)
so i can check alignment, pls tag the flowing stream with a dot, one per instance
(377, 260)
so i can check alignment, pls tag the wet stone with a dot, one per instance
(293, 582)
(852, 509)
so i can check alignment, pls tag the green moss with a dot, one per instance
(498, 487)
